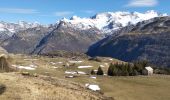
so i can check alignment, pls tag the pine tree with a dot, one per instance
(125, 70)
(110, 70)
(135, 72)
(139, 66)
(100, 71)
(130, 69)
(115, 70)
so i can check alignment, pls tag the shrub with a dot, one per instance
(130, 69)
(4, 65)
(165, 71)
(2, 88)
(93, 72)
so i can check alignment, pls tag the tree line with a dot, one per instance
(130, 69)
(124, 69)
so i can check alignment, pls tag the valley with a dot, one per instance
(45, 72)
(108, 56)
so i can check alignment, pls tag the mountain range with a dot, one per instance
(147, 40)
(101, 30)
(111, 21)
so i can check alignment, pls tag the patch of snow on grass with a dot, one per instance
(24, 67)
(75, 61)
(102, 66)
(80, 72)
(105, 74)
(85, 66)
(34, 66)
(60, 62)
(52, 63)
(27, 68)
(55, 67)
(93, 77)
(92, 87)
(110, 59)
(70, 72)
(30, 59)
(95, 70)
(30, 67)
(75, 72)
(106, 64)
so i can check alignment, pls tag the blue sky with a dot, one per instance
(49, 11)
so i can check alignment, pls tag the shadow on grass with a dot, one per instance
(2, 89)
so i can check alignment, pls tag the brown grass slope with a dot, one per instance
(18, 87)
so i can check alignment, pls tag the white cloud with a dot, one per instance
(142, 3)
(63, 13)
(18, 10)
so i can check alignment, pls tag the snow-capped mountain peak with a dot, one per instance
(106, 22)
(14, 27)
(75, 18)
(110, 21)
(24, 24)
(8, 29)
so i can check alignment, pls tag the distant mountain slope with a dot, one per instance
(67, 38)
(3, 51)
(14, 27)
(7, 29)
(147, 40)
(41, 39)
(25, 41)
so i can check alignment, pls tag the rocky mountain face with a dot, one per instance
(14, 27)
(24, 41)
(8, 29)
(147, 40)
(64, 37)
(3, 51)
(42, 39)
